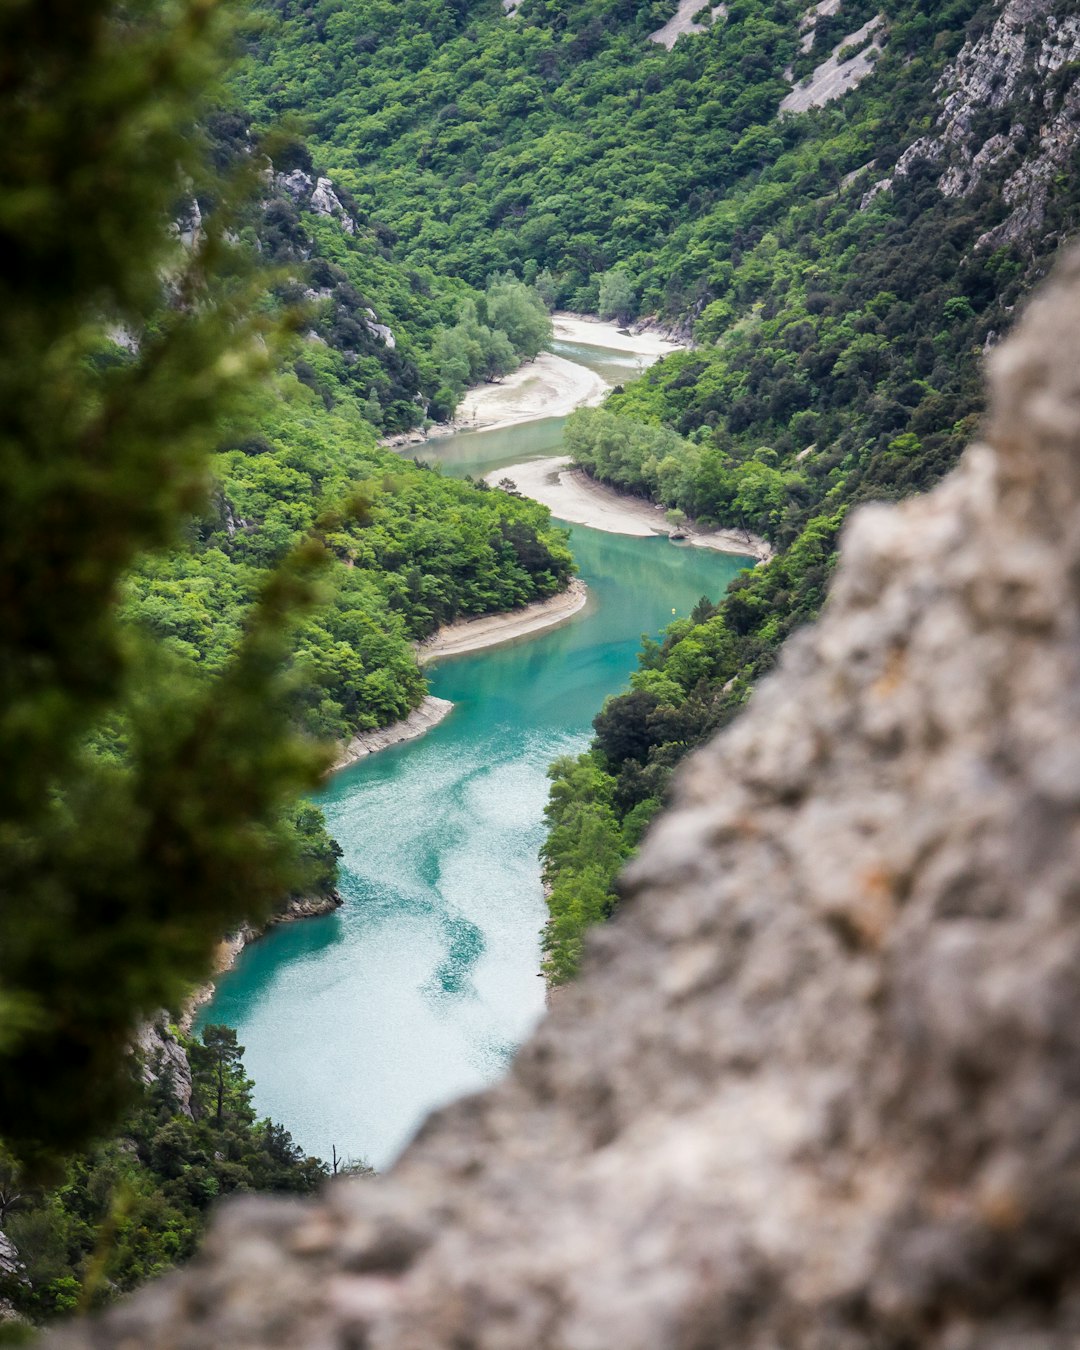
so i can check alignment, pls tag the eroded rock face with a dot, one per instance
(162, 1056)
(819, 1086)
(1009, 67)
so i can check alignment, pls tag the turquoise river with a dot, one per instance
(422, 985)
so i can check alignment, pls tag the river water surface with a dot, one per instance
(423, 984)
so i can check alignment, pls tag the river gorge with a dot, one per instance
(423, 984)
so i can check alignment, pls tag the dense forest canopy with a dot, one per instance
(839, 327)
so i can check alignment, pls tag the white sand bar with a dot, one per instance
(573, 496)
(550, 386)
(592, 332)
(491, 630)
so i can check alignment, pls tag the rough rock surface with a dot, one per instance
(11, 1267)
(682, 22)
(314, 194)
(163, 1057)
(834, 78)
(819, 1086)
(1008, 67)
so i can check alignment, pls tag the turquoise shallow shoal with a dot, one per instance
(420, 988)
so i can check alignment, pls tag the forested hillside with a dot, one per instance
(131, 1207)
(419, 550)
(432, 175)
(840, 350)
(842, 269)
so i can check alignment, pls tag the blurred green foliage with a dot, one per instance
(119, 871)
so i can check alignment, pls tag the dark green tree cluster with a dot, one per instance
(490, 339)
(131, 1207)
(839, 359)
(424, 551)
(700, 480)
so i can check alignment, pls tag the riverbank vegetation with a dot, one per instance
(418, 551)
(134, 1205)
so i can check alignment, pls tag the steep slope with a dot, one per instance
(842, 364)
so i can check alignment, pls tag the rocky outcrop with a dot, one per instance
(683, 22)
(314, 194)
(380, 330)
(12, 1272)
(837, 76)
(819, 1086)
(1008, 69)
(11, 1266)
(1027, 189)
(162, 1056)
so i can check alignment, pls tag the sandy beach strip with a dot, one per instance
(550, 386)
(420, 721)
(573, 496)
(491, 630)
(588, 331)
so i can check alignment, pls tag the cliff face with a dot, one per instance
(162, 1056)
(818, 1086)
(1010, 110)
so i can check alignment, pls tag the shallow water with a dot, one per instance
(421, 987)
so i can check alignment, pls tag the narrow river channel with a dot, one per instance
(421, 987)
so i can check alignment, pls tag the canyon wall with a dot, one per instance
(819, 1086)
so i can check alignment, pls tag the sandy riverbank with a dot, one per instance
(491, 630)
(574, 497)
(420, 721)
(550, 386)
(590, 331)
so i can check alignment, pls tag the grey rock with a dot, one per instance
(296, 184)
(325, 202)
(188, 225)
(11, 1266)
(833, 78)
(382, 331)
(1007, 67)
(819, 1085)
(162, 1056)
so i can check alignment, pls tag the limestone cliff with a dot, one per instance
(818, 1088)
(161, 1056)
(1010, 111)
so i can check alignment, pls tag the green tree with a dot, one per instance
(617, 297)
(519, 312)
(216, 1062)
(118, 872)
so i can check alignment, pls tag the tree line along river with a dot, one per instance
(423, 984)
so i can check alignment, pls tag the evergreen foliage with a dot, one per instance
(132, 1206)
(120, 870)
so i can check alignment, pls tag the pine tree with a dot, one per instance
(122, 348)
